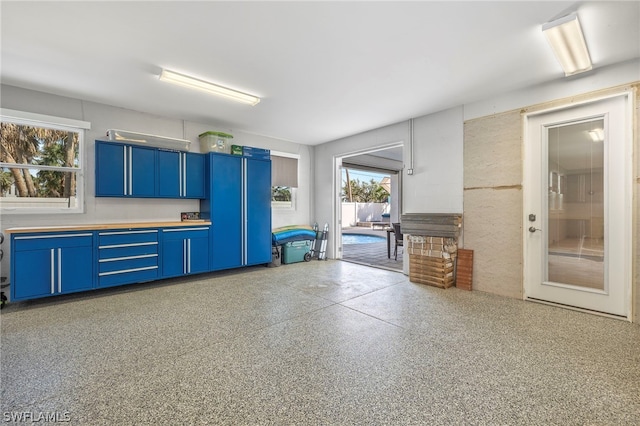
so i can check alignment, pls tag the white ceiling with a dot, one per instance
(324, 70)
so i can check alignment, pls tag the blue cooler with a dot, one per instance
(296, 251)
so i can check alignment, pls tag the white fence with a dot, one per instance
(354, 213)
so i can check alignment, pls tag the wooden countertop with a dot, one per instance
(99, 226)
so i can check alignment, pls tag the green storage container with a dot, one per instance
(296, 251)
(215, 142)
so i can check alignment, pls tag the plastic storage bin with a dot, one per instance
(215, 142)
(296, 251)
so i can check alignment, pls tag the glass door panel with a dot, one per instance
(575, 249)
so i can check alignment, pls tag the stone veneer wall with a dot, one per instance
(493, 198)
(493, 202)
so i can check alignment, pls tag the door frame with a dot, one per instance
(628, 94)
(336, 230)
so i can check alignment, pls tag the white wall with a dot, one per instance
(436, 183)
(435, 186)
(103, 117)
(325, 179)
(562, 87)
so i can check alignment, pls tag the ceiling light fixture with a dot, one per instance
(567, 41)
(195, 83)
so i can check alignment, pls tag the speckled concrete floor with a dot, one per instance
(314, 343)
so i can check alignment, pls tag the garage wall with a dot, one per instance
(434, 187)
(103, 117)
(493, 202)
(493, 196)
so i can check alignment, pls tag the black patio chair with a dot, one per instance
(399, 239)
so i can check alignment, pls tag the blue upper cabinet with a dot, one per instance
(110, 170)
(142, 177)
(194, 175)
(170, 174)
(132, 171)
(125, 170)
(180, 174)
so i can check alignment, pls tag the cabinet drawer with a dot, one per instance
(181, 234)
(124, 265)
(123, 238)
(45, 241)
(115, 251)
(134, 276)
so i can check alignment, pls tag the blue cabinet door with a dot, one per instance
(199, 255)
(125, 170)
(169, 171)
(225, 205)
(258, 211)
(172, 258)
(185, 251)
(31, 274)
(194, 175)
(77, 269)
(110, 169)
(180, 174)
(143, 172)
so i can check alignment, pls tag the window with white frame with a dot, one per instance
(41, 163)
(284, 179)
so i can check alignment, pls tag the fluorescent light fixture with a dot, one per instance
(567, 41)
(195, 83)
(597, 135)
(148, 140)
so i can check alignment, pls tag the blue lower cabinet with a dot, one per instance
(185, 251)
(127, 256)
(49, 264)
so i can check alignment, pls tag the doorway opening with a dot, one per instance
(368, 200)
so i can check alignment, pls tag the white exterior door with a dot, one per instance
(577, 206)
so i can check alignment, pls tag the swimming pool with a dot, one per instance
(361, 239)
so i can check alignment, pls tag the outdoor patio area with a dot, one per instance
(372, 254)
